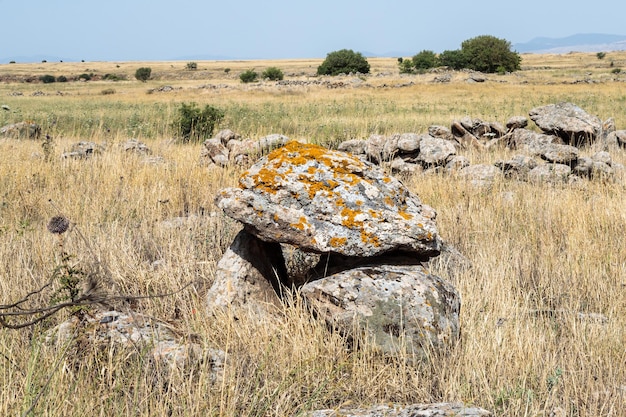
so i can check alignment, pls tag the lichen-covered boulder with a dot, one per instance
(328, 201)
(567, 121)
(402, 308)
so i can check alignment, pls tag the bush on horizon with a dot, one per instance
(143, 74)
(344, 61)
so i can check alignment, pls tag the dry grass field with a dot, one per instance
(548, 261)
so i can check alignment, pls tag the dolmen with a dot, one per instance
(371, 238)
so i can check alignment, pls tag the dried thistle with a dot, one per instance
(58, 225)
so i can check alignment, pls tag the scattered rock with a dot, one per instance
(21, 130)
(164, 346)
(83, 150)
(415, 410)
(135, 146)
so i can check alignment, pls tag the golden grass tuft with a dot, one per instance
(547, 260)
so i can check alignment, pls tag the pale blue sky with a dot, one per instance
(132, 30)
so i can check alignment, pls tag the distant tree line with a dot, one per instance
(483, 53)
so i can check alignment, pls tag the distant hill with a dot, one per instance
(582, 42)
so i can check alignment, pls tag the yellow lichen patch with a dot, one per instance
(335, 242)
(349, 218)
(375, 214)
(369, 238)
(405, 215)
(301, 225)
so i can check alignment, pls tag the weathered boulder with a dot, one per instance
(21, 130)
(524, 139)
(83, 150)
(161, 343)
(353, 146)
(551, 173)
(567, 121)
(215, 152)
(456, 163)
(135, 146)
(480, 173)
(440, 132)
(248, 277)
(328, 201)
(402, 308)
(409, 143)
(517, 167)
(415, 410)
(435, 151)
(559, 154)
(517, 122)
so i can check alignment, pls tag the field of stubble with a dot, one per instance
(546, 259)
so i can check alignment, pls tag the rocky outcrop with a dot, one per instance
(83, 150)
(370, 236)
(21, 130)
(414, 410)
(164, 347)
(227, 147)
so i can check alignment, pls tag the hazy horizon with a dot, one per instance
(158, 30)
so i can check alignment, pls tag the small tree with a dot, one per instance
(195, 124)
(489, 54)
(192, 66)
(453, 59)
(425, 60)
(406, 66)
(344, 61)
(143, 74)
(248, 76)
(47, 79)
(601, 55)
(273, 74)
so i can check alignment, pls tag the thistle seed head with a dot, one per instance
(58, 225)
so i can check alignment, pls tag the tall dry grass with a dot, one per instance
(546, 259)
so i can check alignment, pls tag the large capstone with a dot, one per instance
(322, 200)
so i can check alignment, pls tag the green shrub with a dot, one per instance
(487, 53)
(406, 66)
(143, 74)
(600, 55)
(344, 61)
(85, 77)
(273, 74)
(226, 70)
(107, 91)
(425, 60)
(248, 76)
(113, 77)
(47, 79)
(616, 70)
(453, 59)
(192, 66)
(61, 79)
(195, 124)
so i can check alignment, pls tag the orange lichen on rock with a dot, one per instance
(336, 242)
(301, 225)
